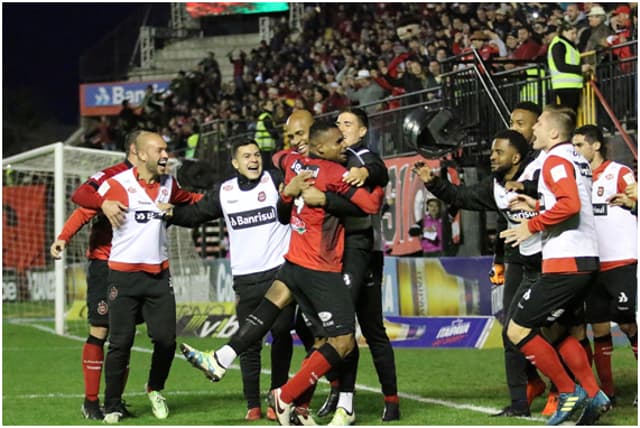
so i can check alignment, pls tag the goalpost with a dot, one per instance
(37, 189)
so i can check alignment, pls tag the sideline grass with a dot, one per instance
(42, 385)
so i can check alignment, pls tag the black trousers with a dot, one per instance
(518, 278)
(128, 294)
(363, 272)
(569, 97)
(249, 296)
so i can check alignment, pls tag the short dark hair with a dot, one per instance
(529, 106)
(319, 127)
(241, 143)
(565, 118)
(592, 134)
(515, 139)
(359, 113)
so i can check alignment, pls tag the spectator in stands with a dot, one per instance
(595, 36)
(129, 119)
(528, 46)
(210, 64)
(574, 16)
(621, 29)
(434, 79)
(502, 25)
(238, 67)
(430, 229)
(364, 91)
(336, 99)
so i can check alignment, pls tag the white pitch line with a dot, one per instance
(413, 397)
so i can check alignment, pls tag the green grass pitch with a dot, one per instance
(42, 385)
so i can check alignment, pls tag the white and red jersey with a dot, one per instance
(569, 242)
(616, 227)
(140, 244)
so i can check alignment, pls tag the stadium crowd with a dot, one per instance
(357, 54)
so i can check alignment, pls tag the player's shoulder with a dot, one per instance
(111, 171)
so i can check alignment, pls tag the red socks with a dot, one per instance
(92, 362)
(575, 358)
(603, 347)
(313, 368)
(586, 345)
(391, 399)
(541, 354)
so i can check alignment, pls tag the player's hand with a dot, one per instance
(523, 203)
(622, 200)
(514, 186)
(167, 209)
(632, 191)
(314, 197)
(57, 248)
(516, 235)
(114, 211)
(423, 171)
(356, 176)
(415, 230)
(298, 184)
(496, 274)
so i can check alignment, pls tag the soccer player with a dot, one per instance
(509, 154)
(311, 273)
(362, 270)
(613, 298)
(248, 204)
(569, 263)
(139, 277)
(97, 273)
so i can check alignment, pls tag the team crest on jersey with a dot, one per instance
(600, 190)
(262, 197)
(164, 191)
(264, 179)
(103, 308)
(227, 187)
(609, 177)
(113, 293)
(298, 225)
(131, 190)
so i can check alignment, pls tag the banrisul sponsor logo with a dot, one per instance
(252, 218)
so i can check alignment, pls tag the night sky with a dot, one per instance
(43, 42)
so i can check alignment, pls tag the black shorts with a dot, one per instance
(97, 285)
(613, 297)
(554, 298)
(322, 297)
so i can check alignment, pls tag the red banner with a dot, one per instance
(23, 226)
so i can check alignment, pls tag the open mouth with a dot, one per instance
(163, 162)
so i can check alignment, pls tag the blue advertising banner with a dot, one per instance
(441, 332)
(106, 98)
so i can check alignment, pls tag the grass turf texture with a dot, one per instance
(42, 385)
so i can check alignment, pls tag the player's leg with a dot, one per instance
(369, 311)
(93, 348)
(124, 299)
(159, 312)
(248, 296)
(215, 363)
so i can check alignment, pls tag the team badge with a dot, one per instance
(346, 277)
(164, 191)
(609, 177)
(227, 187)
(103, 308)
(131, 190)
(264, 179)
(262, 197)
(113, 293)
(600, 190)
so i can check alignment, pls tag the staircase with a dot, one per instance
(186, 54)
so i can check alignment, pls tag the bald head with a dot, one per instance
(153, 158)
(298, 125)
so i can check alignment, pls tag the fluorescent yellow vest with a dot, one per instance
(264, 139)
(561, 80)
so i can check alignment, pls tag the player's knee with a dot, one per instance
(343, 344)
(99, 332)
(600, 329)
(279, 294)
(629, 329)
(516, 333)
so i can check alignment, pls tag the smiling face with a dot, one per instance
(298, 126)
(523, 121)
(248, 161)
(503, 156)
(329, 145)
(352, 130)
(151, 150)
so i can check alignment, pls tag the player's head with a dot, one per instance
(246, 158)
(151, 150)
(555, 125)
(523, 117)
(326, 142)
(353, 123)
(590, 143)
(130, 145)
(508, 150)
(297, 128)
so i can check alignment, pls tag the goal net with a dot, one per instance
(36, 200)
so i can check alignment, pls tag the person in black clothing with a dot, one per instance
(508, 162)
(257, 251)
(362, 270)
